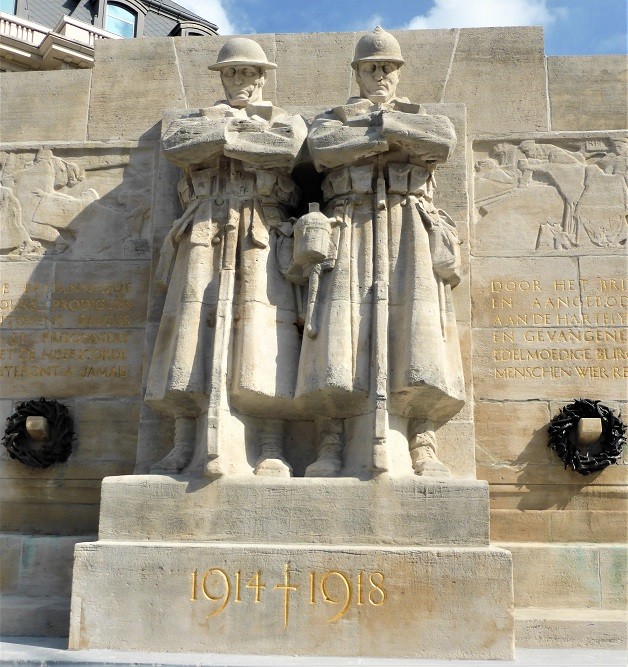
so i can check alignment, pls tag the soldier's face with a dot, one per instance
(377, 80)
(243, 85)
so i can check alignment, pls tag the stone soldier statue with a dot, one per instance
(237, 157)
(386, 327)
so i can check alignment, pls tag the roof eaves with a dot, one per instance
(175, 11)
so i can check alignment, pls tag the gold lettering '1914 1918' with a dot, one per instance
(336, 588)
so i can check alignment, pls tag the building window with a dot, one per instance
(8, 6)
(119, 20)
(193, 29)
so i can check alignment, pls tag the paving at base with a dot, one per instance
(47, 651)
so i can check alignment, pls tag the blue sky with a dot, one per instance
(572, 27)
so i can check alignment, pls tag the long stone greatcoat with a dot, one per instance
(237, 165)
(353, 145)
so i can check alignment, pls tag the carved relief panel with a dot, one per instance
(560, 195)
(75, 201)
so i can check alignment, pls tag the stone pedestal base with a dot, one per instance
(407, 511)
(387, 567)
(379, 601)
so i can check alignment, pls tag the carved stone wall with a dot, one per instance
(75, 262)
(540, 310)
(550, 292)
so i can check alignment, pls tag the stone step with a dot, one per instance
(46, 652)
(42, 652)
(35, 616)
(571, 628)
(568, 575)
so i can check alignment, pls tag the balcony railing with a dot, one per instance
(33, 33)
(82, 32)
(25, 31)
(25, 45)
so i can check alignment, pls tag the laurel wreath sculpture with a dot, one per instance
(21, 446)
(562, 436)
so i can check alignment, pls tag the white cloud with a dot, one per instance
(214, 11)
(367, 24)
(485, 13)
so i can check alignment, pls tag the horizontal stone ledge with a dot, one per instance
(571, 628)
(98, 145)
(546, 136)
(398, 511)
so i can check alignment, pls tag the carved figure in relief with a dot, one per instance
(560, 168)
(59, 213)
(14, 235)
(491, 170)
(386, 334)
(46, 213)
(616, 160)
(602, 210)
(236, 193)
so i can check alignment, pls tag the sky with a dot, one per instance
(572, 27)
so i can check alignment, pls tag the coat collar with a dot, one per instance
(263, 109)
(356, 106)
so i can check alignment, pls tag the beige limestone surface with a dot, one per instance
(549, 291)
(571, 628)
(481, 67)
(569, 594)
(201, 85)
(532, 497)
(310, 600)
(45, 106)
(558, 194)
(600, 103)
(405, 511)
(236, 502)
(64, 499)
(35, 579)
(166, 393)
(569, 576)
(74, 272)
(504, 67)
(131, 86)
(498, 57)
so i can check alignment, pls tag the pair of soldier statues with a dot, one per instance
(337, 315)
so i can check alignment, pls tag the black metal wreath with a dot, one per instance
(562, 436)
(21, 446)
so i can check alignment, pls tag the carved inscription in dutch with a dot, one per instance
(73, 335)
(541, 337)
(553, 337)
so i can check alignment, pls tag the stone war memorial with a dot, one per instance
(316, 345)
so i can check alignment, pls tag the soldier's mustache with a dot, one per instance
(244, 92)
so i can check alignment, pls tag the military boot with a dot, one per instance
(422, 443)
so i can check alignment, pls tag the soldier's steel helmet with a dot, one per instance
(240, 52)
(377, 45)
